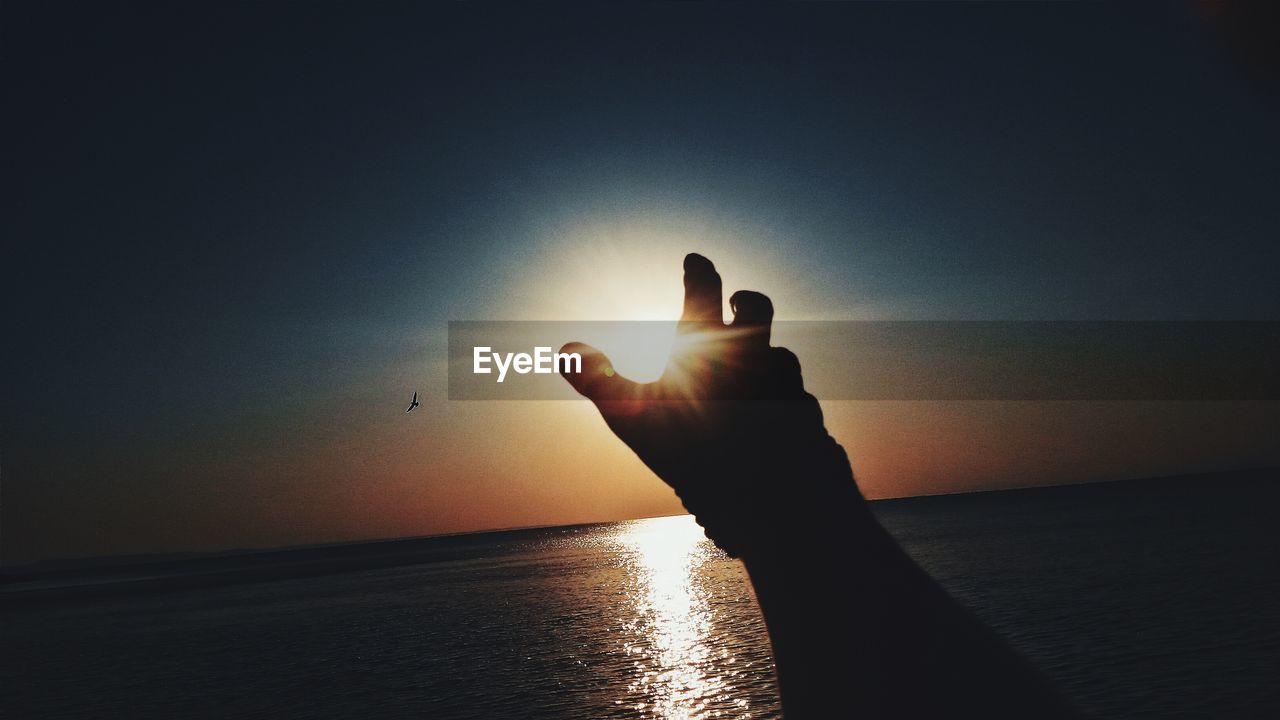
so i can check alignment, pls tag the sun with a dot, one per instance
(624, 273)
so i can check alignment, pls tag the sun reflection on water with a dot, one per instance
(672, 646)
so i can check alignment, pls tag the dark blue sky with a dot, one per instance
(222, 220)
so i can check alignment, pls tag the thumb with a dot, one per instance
(597, 380)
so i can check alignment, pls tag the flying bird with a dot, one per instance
(414, 403)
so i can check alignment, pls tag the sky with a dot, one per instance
(235, 235)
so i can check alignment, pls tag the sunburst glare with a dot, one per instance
(628, 269)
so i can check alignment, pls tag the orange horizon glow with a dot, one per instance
(356, 467)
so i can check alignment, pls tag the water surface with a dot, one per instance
(1140, 600)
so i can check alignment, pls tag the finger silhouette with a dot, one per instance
(752, 317)
(598, 381)
(784, 371)
(703, 299)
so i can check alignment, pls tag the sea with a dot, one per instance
(1141, 599)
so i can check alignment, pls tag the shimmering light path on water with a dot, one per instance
(1140, 601)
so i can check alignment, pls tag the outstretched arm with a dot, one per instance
(858, 629)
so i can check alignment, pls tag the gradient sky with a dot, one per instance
(235, 235)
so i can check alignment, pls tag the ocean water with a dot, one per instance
(1139, 599)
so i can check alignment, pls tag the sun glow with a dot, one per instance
(639, 350)
(627, 269)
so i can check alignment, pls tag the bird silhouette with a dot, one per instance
(413, 403)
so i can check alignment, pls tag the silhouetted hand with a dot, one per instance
(729, 425)
(857, 628)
